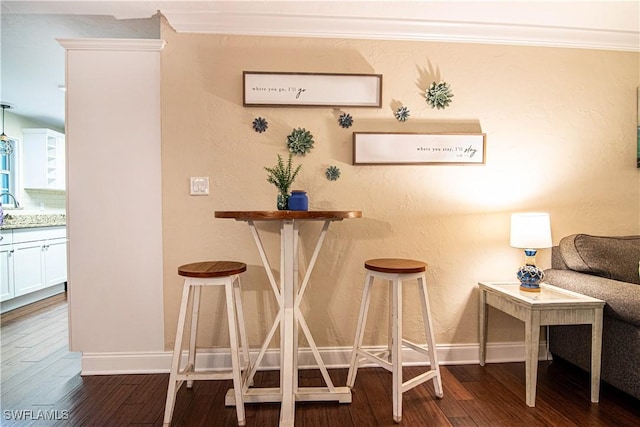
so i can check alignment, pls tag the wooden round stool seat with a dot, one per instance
(395, 265)
(208, 269)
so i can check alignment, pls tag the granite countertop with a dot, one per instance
(14, 220)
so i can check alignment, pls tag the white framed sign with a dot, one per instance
(371, 148)
(267, 89)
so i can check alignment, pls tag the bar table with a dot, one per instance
(289, 295)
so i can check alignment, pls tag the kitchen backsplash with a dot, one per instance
(43, 199)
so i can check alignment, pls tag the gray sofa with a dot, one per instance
(604, 268)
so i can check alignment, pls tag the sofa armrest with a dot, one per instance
(622, 298)
(556, 259)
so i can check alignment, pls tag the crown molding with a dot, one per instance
(397, 28)
(586, 24)
(112, 44)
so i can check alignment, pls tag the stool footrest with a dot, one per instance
(302, 394)
(418, 379)
(204, 375)
(374, 358)
(416, 347)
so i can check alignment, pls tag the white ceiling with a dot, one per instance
(33, 62)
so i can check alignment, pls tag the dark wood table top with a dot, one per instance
(280, 215)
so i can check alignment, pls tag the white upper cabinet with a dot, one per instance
(43, 159)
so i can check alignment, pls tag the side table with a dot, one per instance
(550, 306)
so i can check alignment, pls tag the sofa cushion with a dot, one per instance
(610, 257)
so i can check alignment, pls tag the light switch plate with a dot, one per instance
(199, 185)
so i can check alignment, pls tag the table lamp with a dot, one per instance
(530, 231)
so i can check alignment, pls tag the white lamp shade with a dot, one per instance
(531, 230)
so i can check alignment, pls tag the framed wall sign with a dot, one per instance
(418, 148)
(267, 89)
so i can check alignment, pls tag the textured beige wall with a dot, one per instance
(560, 127)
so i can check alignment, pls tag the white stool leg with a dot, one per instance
(241, 326)
(362, 321)
(428, 327)
(396, 349)
(235, 356)
(195, 315)
(390, 321)
(172, 390)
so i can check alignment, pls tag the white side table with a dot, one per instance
(550, 306)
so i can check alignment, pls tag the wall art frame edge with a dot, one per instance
(481, 140)
(282, 99)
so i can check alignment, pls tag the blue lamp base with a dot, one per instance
(529, 275)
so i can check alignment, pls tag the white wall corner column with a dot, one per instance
(114, 196)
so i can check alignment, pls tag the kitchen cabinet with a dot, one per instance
(43, 159)
(6, 265)
(55, 261)
(35, 259)
(28, 272)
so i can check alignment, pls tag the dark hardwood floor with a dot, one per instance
(40, 383)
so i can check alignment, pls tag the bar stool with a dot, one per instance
(197, 275)
(396, 271)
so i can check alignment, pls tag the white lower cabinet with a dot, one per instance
(55, 261)
(35, 259)
(6, 272)
(28, 274)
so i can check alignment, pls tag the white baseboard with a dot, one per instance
(30, 298)
(333, 357)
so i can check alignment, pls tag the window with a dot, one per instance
(7, 174)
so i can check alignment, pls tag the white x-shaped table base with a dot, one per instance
(290, 320)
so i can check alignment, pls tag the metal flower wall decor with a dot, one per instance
(300, 142)
(439, 95)
(332, 173)
(260, 125)
(345, 120)
(402, 114)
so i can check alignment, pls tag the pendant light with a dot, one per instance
(6, 148)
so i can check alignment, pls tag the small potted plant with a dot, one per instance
(282, 177)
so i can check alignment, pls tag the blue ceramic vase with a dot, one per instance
(298, 201)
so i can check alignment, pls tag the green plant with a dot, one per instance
(282, 176)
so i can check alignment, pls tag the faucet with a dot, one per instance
(15, 201)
